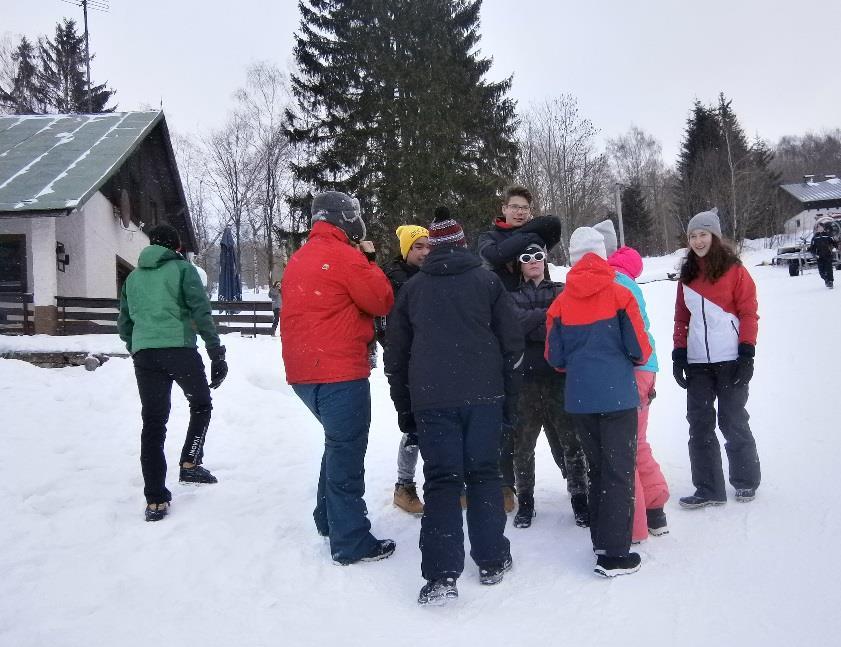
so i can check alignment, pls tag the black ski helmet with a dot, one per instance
(341, 210)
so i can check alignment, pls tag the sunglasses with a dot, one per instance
(528, 258)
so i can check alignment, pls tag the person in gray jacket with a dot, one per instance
(274, 295)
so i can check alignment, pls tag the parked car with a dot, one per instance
(797, 257)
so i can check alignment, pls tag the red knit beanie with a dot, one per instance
(445, 231)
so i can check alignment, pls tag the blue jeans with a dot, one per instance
(461, 446)
(344, 410)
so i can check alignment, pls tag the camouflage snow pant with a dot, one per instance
(541, 405)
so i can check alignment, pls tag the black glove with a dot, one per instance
(744, 365)
(679, 366)
(218, 366)
(406, 423)
(411, 440)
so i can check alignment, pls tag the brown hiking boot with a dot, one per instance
(509, 500)
(406, 498)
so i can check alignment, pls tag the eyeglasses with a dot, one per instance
(518, 207)
(528, 258)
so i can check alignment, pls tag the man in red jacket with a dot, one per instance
(332, 289)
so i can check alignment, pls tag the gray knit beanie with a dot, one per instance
(606, 229)
(706, 220)
(586, 240)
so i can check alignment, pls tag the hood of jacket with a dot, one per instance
(448, 260)
(590, 275)
(324, 229)
(155, 255)
(626, 260)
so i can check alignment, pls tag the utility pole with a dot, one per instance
(87, 54)
(617, 194)
(99, 5)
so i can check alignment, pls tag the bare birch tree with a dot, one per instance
(560, 163)
(263, 102)
(234, 171)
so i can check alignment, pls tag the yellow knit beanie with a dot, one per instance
(408, 234)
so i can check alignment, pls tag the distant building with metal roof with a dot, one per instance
(807, 201)
(810, 192)
(77, 194)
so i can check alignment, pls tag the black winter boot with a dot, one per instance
(657, 522)
(437, 592)
(581, 510)
(196, 474)
(525, 510)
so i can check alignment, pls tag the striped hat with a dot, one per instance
(444, 230)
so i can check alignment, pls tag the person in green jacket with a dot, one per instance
(162, 306)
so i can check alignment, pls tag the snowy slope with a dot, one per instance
(240, 563)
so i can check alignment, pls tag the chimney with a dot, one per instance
(808, 179)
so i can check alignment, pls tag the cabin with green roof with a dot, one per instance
(77, 193)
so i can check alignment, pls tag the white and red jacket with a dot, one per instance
(712, 319)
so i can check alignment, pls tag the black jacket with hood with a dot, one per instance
(453, 338)
(500, 247)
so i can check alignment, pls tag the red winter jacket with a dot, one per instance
(712, 319)
(331, 293)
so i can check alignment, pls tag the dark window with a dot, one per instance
(123, 270)
(12, 263)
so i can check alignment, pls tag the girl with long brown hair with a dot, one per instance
(716, 324)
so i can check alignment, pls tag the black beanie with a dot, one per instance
(165, 236)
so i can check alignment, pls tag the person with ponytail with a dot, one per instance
(716, 324)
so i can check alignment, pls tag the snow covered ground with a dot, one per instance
(239, 563)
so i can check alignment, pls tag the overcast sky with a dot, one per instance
(639, 62)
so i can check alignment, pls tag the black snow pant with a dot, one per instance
(708, 382)
(825, 269)
(275, 319)
(459, 446)
(541, 406)
(610, 444)
(156, 369)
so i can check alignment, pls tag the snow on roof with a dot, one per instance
(56, 162)
(806, 192)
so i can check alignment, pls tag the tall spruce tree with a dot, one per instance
(637, 220)
(62, 77)
(718, 166)
(393, 107)
(24, 97)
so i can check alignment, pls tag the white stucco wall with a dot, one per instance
(96, 238)
(804, 222)
(93, 238)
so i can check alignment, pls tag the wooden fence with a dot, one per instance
(81, 316)
(16, 315)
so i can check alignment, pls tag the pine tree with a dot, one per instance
(718, 167)
(637, 220)
(24, 96)
(62, 76)
(393, 108)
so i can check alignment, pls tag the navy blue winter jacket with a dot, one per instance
(453, 339)
(531, 302)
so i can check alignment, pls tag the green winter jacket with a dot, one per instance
(163, 304)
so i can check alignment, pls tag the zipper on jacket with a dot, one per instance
(706, 336)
